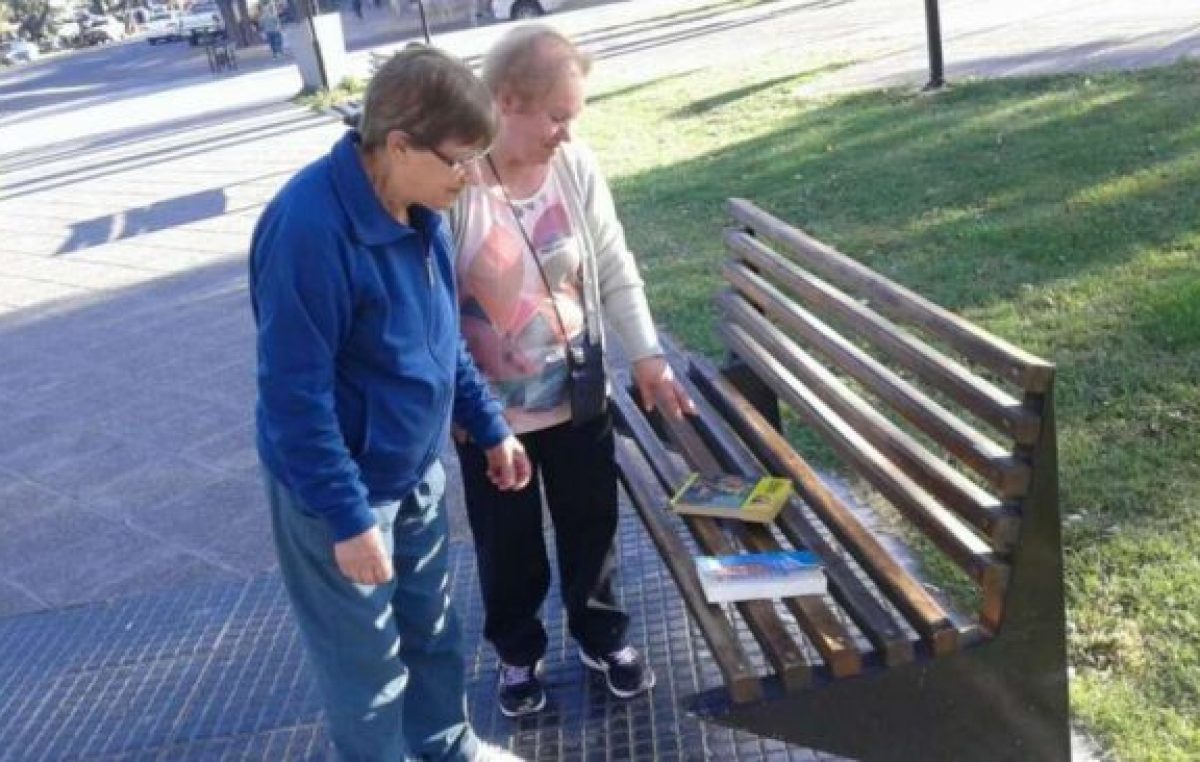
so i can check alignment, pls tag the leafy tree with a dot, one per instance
(31, 17)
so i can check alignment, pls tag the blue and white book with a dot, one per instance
(753, 576)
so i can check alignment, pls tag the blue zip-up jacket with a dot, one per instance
(360, 361)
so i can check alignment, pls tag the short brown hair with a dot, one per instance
(529, 60)
(429, 95)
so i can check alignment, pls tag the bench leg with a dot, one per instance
(966, 706)
(1002, 701)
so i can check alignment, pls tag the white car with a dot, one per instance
(67, 31)
(101, 30)
(524, 9)
(164, 26)
(201, 20)
(20, 52)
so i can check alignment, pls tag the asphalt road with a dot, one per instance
(875, 42)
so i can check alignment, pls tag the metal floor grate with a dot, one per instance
(217, 672)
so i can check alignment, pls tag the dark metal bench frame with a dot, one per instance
(929, 684)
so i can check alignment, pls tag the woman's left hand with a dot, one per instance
(658, 388)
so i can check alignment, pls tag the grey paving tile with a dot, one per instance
(201, 518)
(22, 501)
(15, 599)
(92, 471)
(193, 425)
(139, 416)
(166, 568)
(160, 481)
(233, 384)
(246, 546)
(234, 450)
(31, 445)
(60, 556)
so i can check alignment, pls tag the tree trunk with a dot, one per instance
(236, 26)
(248, 26)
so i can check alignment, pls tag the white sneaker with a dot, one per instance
(486, 752)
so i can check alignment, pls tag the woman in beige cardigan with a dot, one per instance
(542, 195)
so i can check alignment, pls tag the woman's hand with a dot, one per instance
(364, 559)
(658, 388)
(508, 465)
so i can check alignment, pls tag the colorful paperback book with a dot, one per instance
(752, 576)
(732, 497)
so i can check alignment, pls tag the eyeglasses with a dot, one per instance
(459, 165)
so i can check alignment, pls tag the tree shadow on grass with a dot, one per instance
(1026, 183)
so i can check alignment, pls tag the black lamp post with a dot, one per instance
(424, 21)
(933, 30)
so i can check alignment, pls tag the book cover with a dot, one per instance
(732, 497)
(752, 576)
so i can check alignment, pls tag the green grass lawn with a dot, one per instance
(1062, 213)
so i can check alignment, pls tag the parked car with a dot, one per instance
(20, 51)
(165, 26)
(524, 9)
(201, 20)
(66, 31)
(101, 30)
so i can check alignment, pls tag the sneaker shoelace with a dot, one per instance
(513, 675)
(625, 657)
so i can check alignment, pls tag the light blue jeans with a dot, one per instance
(388, 658)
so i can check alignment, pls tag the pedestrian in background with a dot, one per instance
(361, 368)
(270, 27)
(542, 264)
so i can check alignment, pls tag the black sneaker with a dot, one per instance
(624, 671)
(520, 692)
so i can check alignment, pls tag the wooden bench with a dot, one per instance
(961, 453)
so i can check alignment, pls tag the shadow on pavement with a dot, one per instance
(112, 139)
(290, 119)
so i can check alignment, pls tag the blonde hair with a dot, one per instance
(430, 96)
(529, 60)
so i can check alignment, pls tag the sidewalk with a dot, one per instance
(140, 616)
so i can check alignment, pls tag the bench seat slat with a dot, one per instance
(768, 629)
(889, 639)
(645, 493)
(982, 398)
(1032, 373)
(988, 458)
(822, 626)
(924, 613)
(957, 492)
(939, 524)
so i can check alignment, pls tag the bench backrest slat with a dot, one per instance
(944, 528)
(1031, 373)
(890, 400)
(982, 398)
(983, 510)
(1008, 475)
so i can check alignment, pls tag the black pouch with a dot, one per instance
(588, 384)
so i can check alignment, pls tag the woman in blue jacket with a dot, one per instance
(360, 371)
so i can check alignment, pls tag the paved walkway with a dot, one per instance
(126, 459)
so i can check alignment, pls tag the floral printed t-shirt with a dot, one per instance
(508, 317)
